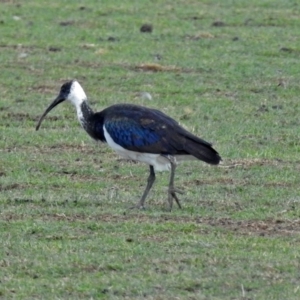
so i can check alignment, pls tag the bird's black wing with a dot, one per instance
(145, 130)
(139, 129)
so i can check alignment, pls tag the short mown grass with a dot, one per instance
(226, 70)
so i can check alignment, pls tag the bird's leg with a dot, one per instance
(150, 182)
(172, 191)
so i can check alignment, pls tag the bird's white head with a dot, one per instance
(74, 93)
(71, 91)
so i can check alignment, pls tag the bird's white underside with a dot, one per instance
(159, 162)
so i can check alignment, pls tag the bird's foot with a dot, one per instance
(138, 206)
(172, 195)
(175, 190)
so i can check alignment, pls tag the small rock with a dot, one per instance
(218, 24)
(146, 28)
(146, 96)
(88, 46)
(277, 106)
(66, 23)
(112, 39)
(54, 49)
(282, 83)
(285, 49)
(263, 108)
(23, 55)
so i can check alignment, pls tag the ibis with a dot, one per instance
(138, 133)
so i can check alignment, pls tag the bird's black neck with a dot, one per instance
(86, 110)
(91, 122)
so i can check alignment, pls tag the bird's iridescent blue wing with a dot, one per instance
(131, 134)
(140, 129)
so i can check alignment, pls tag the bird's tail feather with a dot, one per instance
(203, 151)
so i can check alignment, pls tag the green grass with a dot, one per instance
(65, 228)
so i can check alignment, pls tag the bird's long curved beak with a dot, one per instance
(56, 101)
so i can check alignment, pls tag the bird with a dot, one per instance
(138, 133)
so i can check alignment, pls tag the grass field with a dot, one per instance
(226, 70)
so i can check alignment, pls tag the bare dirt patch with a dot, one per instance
(249, 162)
(152, 67)
(45, 89)
(156, 68)
(269, 227)
(263, 228)
(13, 186)
(246, 163)
(229, 181)
(21, 117)
(237, 182)
(82, 148)
(18, 46)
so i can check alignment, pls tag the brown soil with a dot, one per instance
(263, 228)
